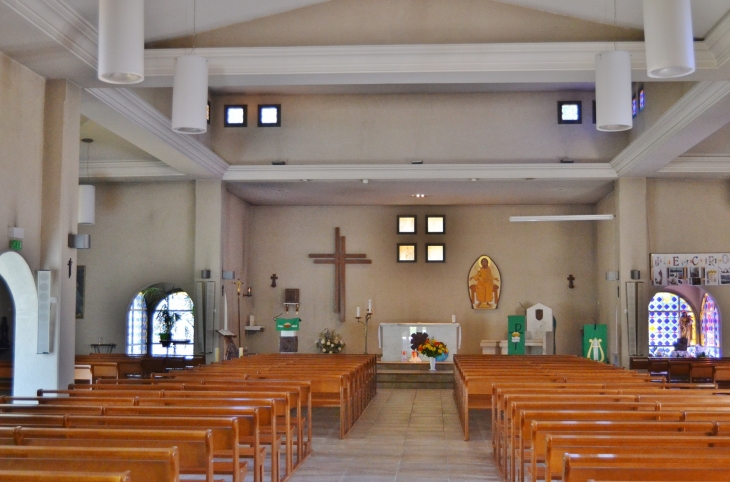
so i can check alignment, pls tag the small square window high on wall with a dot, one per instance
(570, 112)
(270, 115)
(235, 116)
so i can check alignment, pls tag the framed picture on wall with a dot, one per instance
(80, 291)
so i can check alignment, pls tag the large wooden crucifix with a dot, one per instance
(340, 258)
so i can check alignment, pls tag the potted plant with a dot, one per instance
(167, 319)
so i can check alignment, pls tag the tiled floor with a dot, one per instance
(403, 436)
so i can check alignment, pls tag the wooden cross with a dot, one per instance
(571, 278)
(340, 258)
(273, 280)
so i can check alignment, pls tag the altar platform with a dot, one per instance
(415, 375)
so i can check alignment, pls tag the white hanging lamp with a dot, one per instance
(190, 95)
(613, 91)
(668, 38)
(121, 41)
(87, 193)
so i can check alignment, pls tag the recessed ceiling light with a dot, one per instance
(418, 195)
(305, 180)
(474, 179)
(365, 181)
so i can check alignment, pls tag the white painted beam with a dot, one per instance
(699, 113)
(126, 169)
(127, 115)
(403, 172)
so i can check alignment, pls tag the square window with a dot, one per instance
(569, 112)
(235, 116)
(435, 253)
(407, 224)
(436, 224)
(641, 99)
(634, 107)
(270, 115)
(406, 253)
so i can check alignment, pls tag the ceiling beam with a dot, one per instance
(128, 116)
(374, 64)
(408, 172)
(700, 112)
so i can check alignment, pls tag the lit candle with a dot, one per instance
(453, 318)
(370, 306)
(357, 315)
(248, 291)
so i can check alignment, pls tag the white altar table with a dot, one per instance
(394, 338)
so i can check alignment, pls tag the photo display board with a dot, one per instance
(690, 269)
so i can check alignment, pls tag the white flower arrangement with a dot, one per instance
(330, 342)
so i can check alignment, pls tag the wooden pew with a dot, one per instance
(59, 476)
(581, 468)
(195, 448)
(150, 465)
(226, 432)
(559, 445)
(541, 429)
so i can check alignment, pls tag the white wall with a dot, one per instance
(534, 258)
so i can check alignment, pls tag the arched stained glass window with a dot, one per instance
(664, 312)
(710, 327)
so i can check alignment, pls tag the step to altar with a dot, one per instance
(415, 375)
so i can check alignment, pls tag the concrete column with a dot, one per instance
(633, 251)
(58, 219)
(208, 249)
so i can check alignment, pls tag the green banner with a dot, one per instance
(595, 342)
(287, 324)
(516, 326)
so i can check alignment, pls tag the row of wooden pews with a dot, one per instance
(576, 420)
(212, 421)
(117, 365)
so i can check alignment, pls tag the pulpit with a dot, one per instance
(539, 336)
(394, 338)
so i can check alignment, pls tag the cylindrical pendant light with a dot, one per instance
(190, 95)
(87, 198)
(613, 91)
(121, 41)
(668, 38)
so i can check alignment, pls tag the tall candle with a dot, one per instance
(370, 305)
(217, 357)
(240, 352)
(357, 315)
(453, 318)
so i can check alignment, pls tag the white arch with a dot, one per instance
(21, 284)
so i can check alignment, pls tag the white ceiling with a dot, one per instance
(132, 141)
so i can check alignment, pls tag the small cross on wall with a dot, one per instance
(273, 280)
(571, 278)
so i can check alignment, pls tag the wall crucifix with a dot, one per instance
(340, 258)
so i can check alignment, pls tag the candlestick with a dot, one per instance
(357, 313)
(370, 306)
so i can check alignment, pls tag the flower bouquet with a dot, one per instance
(330, 342)
(434, 349)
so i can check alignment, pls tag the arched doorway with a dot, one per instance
(7, 322)
(20, 283)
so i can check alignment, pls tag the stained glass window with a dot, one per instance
(664, 312)
(710, 328)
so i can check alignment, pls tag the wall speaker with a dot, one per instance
(79, 241)
(43, 285)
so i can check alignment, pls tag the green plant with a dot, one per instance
(165, 317)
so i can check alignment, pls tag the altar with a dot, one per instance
(395, 338)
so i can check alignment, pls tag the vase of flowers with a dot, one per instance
(330, 342)
(434, 350)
